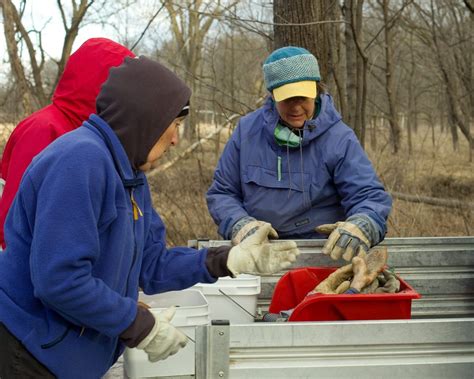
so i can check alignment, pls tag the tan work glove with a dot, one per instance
(390, 283)
(255, 255)
(164, 339)
(357, 234)
(247, 226)
(336, 283)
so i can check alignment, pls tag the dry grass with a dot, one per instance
(433, 169)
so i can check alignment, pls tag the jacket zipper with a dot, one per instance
(137, 213)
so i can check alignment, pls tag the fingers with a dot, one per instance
(283, 245)
(261, 234)
(326, 228)
(351, 248)
(340, 246)
(273, 233)
(331, 242)
(361, 252)
(168, 314)
(286, 256)
(343, 287)
(181, 338)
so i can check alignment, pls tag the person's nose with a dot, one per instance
(295, 102)
(175, 138)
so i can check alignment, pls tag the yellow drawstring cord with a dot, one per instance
(137, 212)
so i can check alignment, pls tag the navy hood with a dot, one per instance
(140, 99)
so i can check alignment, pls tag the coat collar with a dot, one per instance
(129, 178)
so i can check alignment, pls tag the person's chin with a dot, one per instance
(297, 125)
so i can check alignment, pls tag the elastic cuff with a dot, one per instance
(352, 291)
(240, 224)
(368, 226)
(139, 329)
(216, 261)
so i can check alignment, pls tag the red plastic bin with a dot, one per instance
(290, 292)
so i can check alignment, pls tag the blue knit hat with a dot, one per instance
(291, 71)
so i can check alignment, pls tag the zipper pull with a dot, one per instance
(279, 168)
(137, 212)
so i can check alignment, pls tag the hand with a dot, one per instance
(247, 226)
(354, 236)
(164, 339)
(255, 255)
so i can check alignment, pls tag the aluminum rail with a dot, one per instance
(439, 348)
(441, 269)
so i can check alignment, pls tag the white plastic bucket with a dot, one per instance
(191, 310)
(223, 295)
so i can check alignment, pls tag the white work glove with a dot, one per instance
(354, 236)
(247, 226)
(255, 255)
(164, 339)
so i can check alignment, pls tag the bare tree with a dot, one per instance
(191, 20)
(455, 68)
(356, 68)
(389, 76)
(33, 92)
(306, 23)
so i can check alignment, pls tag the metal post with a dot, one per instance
(212, 350)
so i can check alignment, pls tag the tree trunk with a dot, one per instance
(314, 37)
(13, 54)
(351, 65)
(390, 83)
(356, 68)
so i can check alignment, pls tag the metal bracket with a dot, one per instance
(212, 350)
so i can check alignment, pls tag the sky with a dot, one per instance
(44, 15)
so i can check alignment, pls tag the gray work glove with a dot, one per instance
(164, 339)
(355, 235)
(255, 255)
(247, 226)
(390, 283)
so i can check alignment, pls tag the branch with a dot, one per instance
(147, 26)
(193, 147)
(449, 203)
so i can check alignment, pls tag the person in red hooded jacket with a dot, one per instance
(73, 101)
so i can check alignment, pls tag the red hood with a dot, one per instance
(83, 76)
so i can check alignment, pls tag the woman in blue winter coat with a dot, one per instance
(295, 164)
(82, 237)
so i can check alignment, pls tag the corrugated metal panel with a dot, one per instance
(350, 349)
(441, 269)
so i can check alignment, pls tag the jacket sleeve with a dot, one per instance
(358, 185)
(171, 269)
(224, 197)
(20, 151)
(65, 244)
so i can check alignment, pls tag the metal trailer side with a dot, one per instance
(437, 342)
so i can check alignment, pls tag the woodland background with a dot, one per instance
(400, 71)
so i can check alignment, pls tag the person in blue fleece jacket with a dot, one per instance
(293, 163)
(82, 237)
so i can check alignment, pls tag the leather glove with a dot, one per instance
(335, 283)
(390, 283)
(357, 234)
(164, 339)
(247, 226)
(255, 255)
